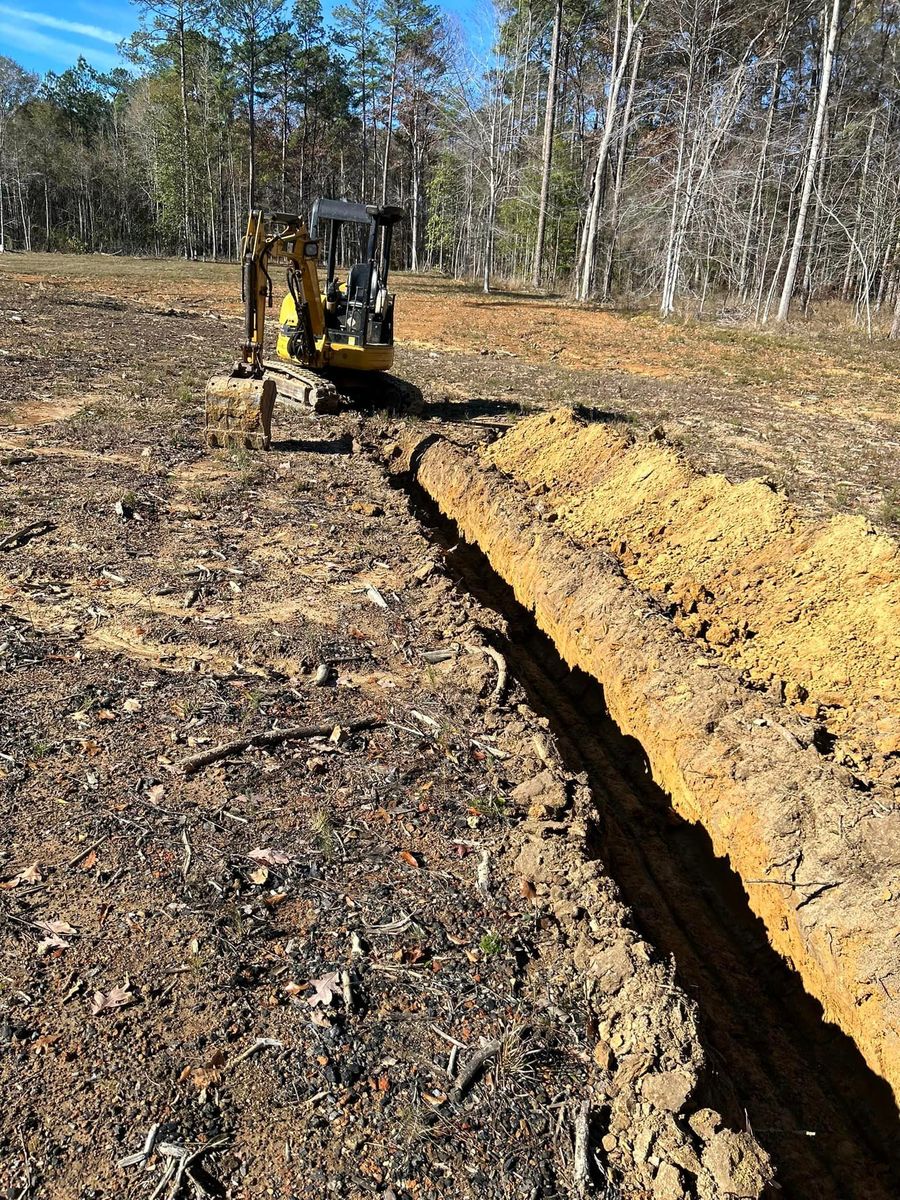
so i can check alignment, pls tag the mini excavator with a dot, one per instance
(324, 335)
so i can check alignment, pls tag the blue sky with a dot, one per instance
(49, 35)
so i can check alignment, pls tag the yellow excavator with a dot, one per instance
(326, 335)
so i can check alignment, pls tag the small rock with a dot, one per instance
(667, 1090)
(667, 1184)
(737, 1164)
(604, 1056)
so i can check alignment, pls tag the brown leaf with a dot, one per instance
(209, 1073)
(28, 875)
(53, 942)
(46, 1041)
(409, 859)
(268, 857)
(325, 989)
(90, 862)
(116, 997)
(56, 927)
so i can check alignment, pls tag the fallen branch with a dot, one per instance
(21, 536)
(473, 1069)
(272, 737)
(581, 1163)
(502, 669)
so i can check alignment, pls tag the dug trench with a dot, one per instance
(778, 1066)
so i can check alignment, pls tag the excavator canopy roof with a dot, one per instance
(357, 214)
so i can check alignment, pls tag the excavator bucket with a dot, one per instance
(239, 411)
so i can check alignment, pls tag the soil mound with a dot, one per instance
(811, 610)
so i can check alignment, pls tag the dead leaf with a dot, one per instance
(325, 989)
(268, 857)
(131, 705)
(46, 1041)
(156, 793)
(209, 1073)
(53, 942)
(409, 859)
(90, 862)
(116, 997)
(56, 927)
(28, 875)
(260, 875)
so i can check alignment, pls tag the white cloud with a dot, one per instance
(94, 32)
(57, 50)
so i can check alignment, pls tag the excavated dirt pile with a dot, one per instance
(754, 656)
(810, 610)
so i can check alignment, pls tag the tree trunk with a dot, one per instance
(388, 133)
(620, 168)
(251, 127)
(787, 290)
(857, 223)
(618, 65)
(547, 155)
(185, 138)
(759, 178)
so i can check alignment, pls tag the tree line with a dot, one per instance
(726, 155)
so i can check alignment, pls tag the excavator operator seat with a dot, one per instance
(362, 282)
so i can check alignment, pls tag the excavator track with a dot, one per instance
(239, 407)
(304, 388)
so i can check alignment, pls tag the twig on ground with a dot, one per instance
(259, 1044)
(82, 854)
(473, 1069)
(448, 1038)
(502, 669)
(271, 737)
(21, 536)
(581, 1166)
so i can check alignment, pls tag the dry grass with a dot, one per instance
(825, 359)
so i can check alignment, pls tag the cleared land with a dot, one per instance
(489, 865)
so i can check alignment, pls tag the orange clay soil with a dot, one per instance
(818, 855)
(809, 609)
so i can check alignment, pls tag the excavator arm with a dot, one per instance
(292, 247)
(239, 405)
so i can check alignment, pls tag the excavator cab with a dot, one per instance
(360, 310)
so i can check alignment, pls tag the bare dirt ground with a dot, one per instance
(287, 961)
(814, 409)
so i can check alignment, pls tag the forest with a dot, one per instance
(722, 156)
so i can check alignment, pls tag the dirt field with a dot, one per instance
(442, 934)
(814, 410)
